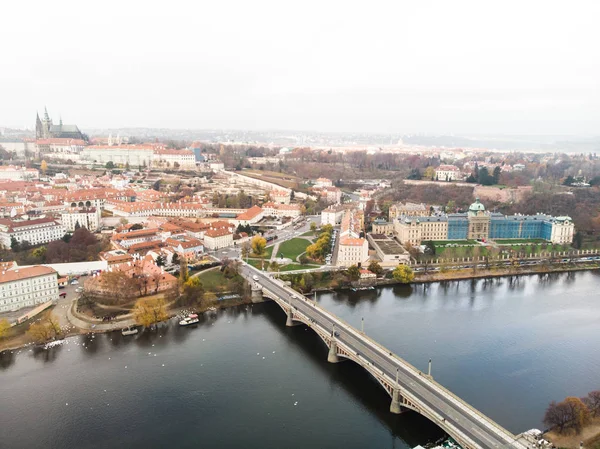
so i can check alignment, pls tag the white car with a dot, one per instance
(255, 277)
(74, 282)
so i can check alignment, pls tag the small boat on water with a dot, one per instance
(211, 309)
(131, 330)
(192, 318)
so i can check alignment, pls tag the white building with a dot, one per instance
(184, 159)
(562, 230)
(323, 182)
(281, 196)
(332, 195)
(25, 287)
(12, 173)
(134, 155)
(250, 217)
(271, 209)
(447, 173)
(216, 166)
(87, 218)
(332, 215)
(59, 146)
(36, 231)
(217, 239)
(352, 251)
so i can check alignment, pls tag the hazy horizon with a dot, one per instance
(463, 68)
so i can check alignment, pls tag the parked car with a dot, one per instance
(74, 282)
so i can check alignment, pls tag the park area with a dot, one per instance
(291, 249)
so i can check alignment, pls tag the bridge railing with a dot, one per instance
(483, 419)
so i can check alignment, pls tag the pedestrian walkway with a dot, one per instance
(86, 323)
(275, 249)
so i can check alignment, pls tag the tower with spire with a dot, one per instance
(46, 129)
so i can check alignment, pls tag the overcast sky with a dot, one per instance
(460, 66)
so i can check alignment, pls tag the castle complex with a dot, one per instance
(479, 224)
(46, 129)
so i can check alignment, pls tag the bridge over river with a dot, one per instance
(408, 387)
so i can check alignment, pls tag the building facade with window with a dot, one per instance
(25, 287)
(35, 231)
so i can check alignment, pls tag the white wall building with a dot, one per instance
(332, 215)
(185, 159)
(12, 173)
(36, 231)
(447, 173)
(24, 287)
(87, 218)
(217, 239)
(134, 155)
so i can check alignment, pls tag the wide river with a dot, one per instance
(241, 379)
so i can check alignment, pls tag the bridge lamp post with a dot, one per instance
(362, 325)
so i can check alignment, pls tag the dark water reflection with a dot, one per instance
(507, 345)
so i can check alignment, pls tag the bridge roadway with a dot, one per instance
(416, 390)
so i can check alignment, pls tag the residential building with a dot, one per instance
(250, 217)
(218, 238)
(127, 239)
(132, 155)
(323, 182)
(352, 248)
(184, 159)
(332, 215)
(12, 173)
(352, 251)
(408, 210)
(281, 196)
(35, 231)
(86, 218)
(281, 210)
(26, 287)
(367, 274)
(331, 195)
(188, 247)
(447, 173)
(59, 146)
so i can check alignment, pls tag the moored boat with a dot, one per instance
(131, 330)
(192, 318)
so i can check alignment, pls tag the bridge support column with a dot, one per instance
(395, 404)
(256, 293)
(332, 357)
(290, 322)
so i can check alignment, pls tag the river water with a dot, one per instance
(241, 379)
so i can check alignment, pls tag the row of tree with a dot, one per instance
(322, 246)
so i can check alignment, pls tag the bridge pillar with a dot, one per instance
(395, 404)
(290, 322)
(256, 293)
(332, 357)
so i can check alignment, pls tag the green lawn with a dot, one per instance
(515, 241)
(256, 263)
(268, 252)
(308, 234)
(213, 280)
(454, 242)
(293, 248)
(296, 266)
